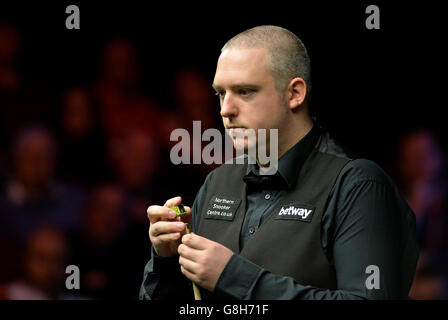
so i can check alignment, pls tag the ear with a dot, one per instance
(296, 93)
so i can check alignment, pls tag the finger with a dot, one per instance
(194, 241)
(162, 227)
(167, 237)
(187, 210)
(173, 202)
(187, 216)
(189, 265)
(157, 213)
(188, 253)
(188, 274)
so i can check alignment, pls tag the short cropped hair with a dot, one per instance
(287, 55)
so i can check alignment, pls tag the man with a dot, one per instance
(323, 227)
(33, 195)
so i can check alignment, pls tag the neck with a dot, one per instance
(295, 133)
(300, 128)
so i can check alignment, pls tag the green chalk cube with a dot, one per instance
(180, 210)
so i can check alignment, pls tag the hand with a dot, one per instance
(202, 260)
(165, 228)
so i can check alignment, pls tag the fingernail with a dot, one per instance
(180, 225)
(172, 213)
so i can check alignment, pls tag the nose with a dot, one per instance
(228, 106)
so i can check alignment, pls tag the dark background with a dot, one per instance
(370, 87)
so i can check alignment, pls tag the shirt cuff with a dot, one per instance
(239, 277)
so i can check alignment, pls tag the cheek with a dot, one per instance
(267, 114)
(270, 106)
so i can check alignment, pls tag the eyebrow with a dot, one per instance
(237, 86)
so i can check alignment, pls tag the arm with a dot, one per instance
(162, 277)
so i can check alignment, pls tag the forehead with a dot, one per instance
(236, 65)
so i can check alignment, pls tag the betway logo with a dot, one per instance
(293, 211)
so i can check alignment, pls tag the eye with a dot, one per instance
(220, 94)
(245, 92)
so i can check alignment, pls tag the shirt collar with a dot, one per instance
(291, 162)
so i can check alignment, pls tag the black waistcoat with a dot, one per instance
(288, 242)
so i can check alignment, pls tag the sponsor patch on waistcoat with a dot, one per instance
(294, 211)
(222, 208)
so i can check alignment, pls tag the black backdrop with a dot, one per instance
(369, 86)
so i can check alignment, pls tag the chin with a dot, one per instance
(243, 145)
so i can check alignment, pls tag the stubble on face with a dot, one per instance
(244, 69)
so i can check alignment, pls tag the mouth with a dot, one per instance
(235, 130)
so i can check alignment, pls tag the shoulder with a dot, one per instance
(357, 169)
(209, 177)
(364, 191)
(362, 181)
(363, 170)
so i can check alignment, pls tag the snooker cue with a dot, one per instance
(197, 293)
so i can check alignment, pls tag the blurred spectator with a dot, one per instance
(10, 83)
(140, 168)
(119, 91)
(194, 99)
(82, 144)
(32, 196)
(106, 259)
(135, 159)
(45, 259)
(22, 100)
(422, 174)
(10, 45)
(429, 283)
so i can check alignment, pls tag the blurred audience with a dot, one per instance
(44, 262)
(11, 43)
(422, 174)
(124, 106)
(82, 155)
(429, 283)
(10, 84)
(23, 100)
(194, 100)
(32, 195)
(135, 159)
(108, 261)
